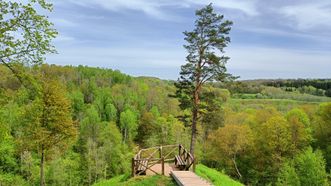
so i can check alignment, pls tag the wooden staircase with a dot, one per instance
(188, 178)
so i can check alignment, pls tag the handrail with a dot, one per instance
(164, 152)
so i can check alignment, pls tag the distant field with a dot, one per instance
(280, 104)
(284, 96)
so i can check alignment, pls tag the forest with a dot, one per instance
(109, 115)
(81, 125)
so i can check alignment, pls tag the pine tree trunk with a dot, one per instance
(195, 111)
(194, 123)
(194, 133)
(42, 161)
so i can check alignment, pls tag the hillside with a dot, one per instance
(215, 177)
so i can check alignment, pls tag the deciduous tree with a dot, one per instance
(48, 122)
(228, 142)
(25, 35)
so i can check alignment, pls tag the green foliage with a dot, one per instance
(137, 181)
(48, 125)
(217, 178)
(310, 167)
(12, 180)
(322, 130)
(104, 102)
(25, 35)
(307, 168)
(300, 128)
(212, 108)
(113, 181)
(77, 104)
(277, 93)
(288, 176)
(64, 171)
(51, 123)
(7, 151)
(128, 124)
(205, 63)
(227, 143)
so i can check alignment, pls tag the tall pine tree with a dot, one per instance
(205, 61)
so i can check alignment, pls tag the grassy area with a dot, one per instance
(280, 104)
(217, 178)
(284, 96)
(137, 181)
(212, 175)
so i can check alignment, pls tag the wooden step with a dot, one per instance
(188, 178)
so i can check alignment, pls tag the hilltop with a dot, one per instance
(215, 177)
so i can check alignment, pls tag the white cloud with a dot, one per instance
(156, 8)
(247, 62)
(63, 38)
(138, 61)
(309, 15)
(245, 6)
(128, 57)
(63, 22)
(277, 62)
(152, 8)
(288, 33)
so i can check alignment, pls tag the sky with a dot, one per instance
(269, 39)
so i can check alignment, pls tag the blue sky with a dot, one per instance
(269, 39)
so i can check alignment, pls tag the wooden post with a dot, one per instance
(133, 168)
(179, 151)
(160, 149)
(194, 160)
(162, 162)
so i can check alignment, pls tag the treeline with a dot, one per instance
(324, 84)
(318, 87)
(267, 89)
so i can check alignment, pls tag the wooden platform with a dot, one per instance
(188, 178)
(168, 168)
(161, 160)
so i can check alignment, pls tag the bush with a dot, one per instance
(11, 180)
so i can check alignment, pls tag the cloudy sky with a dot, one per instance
(269, 39)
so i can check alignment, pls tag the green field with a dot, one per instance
(280, 104)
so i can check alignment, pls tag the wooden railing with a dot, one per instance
(186, 156)
(145, 159)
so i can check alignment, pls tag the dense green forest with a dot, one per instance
(113, 114)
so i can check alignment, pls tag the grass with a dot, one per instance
(137, 181)
(283, 105)
(212, 175)
(215, 177)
